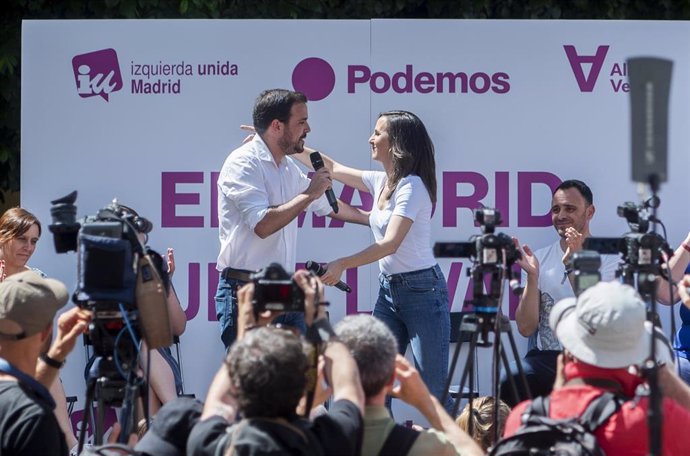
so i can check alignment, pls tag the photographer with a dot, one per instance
(28, 304)
(604, 334)
(264, 377)
(547, 280)
(375, 350)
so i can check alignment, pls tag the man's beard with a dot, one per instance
(291, 148)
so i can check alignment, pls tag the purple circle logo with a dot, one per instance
(314, 77)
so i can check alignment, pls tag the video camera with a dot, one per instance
(118, 278)
(274, 289)
(491, 253)
(641, 251)
(585, 266)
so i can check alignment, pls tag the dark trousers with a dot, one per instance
(540, 370)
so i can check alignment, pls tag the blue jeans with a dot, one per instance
(414, 305)
(226, 311)
(683, 366)
(540, 370)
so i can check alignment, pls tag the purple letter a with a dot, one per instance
(597, 60)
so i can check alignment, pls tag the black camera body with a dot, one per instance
(486, 250)
(274, 289)
(641, 251)
(489, 253)
(585, 265)
(120, 280)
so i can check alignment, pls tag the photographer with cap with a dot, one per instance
(264, 377)
(605, 337)
(28, 304)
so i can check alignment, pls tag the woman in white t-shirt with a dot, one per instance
(413, 295)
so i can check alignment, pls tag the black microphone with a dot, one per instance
(317, 163)
(317, 269)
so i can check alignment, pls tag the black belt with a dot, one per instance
(242, 275)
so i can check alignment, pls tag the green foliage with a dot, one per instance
(12, 12)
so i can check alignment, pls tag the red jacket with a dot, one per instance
(625, 433)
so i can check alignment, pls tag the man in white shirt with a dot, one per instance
(548, 280)
(261, 193)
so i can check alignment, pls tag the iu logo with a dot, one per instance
(97, 73)
(586, 83)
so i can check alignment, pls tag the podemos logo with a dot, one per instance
(316, 78)
(97, 73)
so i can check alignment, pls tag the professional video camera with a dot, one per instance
(491, 253)
(642, 252)
(274, 289)
(120, 280)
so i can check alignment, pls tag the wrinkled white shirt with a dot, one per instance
(249, 183)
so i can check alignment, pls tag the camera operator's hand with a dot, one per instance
(574, 241)
(411, 388)
(313, 295)
(527, 261)
(245, 311)
(71, 325)
(684, 290)
(221, 398)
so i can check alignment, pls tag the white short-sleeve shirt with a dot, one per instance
(410, 200)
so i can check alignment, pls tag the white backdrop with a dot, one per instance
(515, 120)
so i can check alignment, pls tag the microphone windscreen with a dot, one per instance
(316, 160)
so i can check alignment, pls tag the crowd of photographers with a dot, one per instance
(316, 390)
(266, 396)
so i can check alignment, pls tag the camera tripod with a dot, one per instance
(476, 327)
(105, 391)
(112, 379)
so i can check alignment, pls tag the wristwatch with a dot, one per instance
(54, 363)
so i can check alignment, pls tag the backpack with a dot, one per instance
(541, 435)
(399, 441)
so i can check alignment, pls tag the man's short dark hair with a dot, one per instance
(274, 104)
(268, 369)
(374, 348)
(581, 187)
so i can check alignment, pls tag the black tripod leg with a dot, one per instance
(98, 425)
(451, 369)
(498, 351)
(511, 379)
(469, 370)
(90, 387)
(518, 362)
